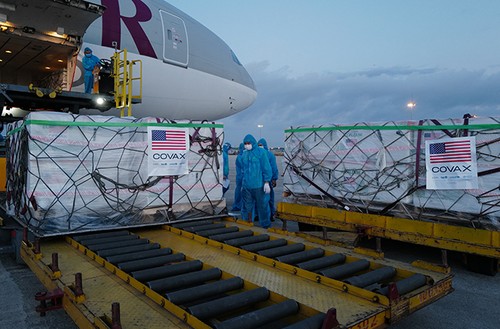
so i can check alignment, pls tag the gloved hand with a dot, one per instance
(273, 183)
(267, 188)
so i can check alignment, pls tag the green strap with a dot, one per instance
(468, 127)
(115, 124)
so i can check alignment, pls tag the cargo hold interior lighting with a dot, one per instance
(99, 101)
(29, 29)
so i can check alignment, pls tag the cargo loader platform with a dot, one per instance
(213, 274)
(482, 246)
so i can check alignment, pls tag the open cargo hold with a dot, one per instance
(380, 168)
(74, 173)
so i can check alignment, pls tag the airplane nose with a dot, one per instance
(248, 98)
(247, 91)
(244, 96)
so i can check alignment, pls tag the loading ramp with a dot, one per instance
(482, 246)
(267, 278)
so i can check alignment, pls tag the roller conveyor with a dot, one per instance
(356, 272)
(206, 293)
(360, 277)
(276, 285)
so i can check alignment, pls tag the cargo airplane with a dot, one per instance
(188, 71)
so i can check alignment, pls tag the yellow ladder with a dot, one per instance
(125, 81)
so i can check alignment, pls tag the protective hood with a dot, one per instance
(263, 142)
(250, 139)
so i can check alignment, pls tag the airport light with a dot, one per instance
(260, 126)
(411, 106)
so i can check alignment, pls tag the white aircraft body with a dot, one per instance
(188, 72)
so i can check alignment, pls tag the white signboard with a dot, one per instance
(451, 163)
(168, 150)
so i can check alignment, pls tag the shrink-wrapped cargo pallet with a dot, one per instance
(73, 173)
(380, 168)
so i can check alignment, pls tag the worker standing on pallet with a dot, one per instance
(90, 65)
(255, 185)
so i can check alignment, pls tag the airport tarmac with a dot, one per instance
(471, 305)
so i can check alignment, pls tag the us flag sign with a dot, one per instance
(451, 163)
(168, 150)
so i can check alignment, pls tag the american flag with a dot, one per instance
(168, 140)
(452, 151)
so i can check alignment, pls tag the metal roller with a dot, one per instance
(99, 235)
(143, 264)
(206, 290)
(138, 255)
(193, 223)
(261, 317)
(301, 256)
(125, 250)
(120, 244)
(109, 239)
(223, 230)
(406, 285)
(185, 280)
(323, 262)
(378, 275)
(248, 240)
(166, 271)
(202, 228)
(217, 307)
(342, 271)
(265, 245)
(280, 251)
(314, 322)
(230, 236)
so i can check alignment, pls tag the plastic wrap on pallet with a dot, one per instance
(380, 168)
(73, 173)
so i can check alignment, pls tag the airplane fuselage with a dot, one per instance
(188, 71)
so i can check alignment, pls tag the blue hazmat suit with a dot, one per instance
(225, 165)
(256, 174)
(237, 204)
(89, 61)
(274, 175)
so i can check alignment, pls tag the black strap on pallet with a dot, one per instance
(336, 200)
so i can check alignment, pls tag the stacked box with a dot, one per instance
(72, 173)
(380, 168)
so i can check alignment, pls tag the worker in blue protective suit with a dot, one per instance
(256, 182)
(274, 176)
(237, 203)
(89, 62)
(225, 167)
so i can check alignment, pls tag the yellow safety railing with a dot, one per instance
(125, 81)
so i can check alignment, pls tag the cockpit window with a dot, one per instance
(235, 59)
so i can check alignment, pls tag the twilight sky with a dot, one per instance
(323, 62)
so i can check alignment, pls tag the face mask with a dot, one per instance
(261, 146)
(248, 147)
(88, 55)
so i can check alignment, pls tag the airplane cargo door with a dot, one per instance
(175, 43)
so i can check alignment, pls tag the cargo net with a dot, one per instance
(74, 173)
(380, 168)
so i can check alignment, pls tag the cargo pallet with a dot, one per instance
(240, 276)
(482, 247)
